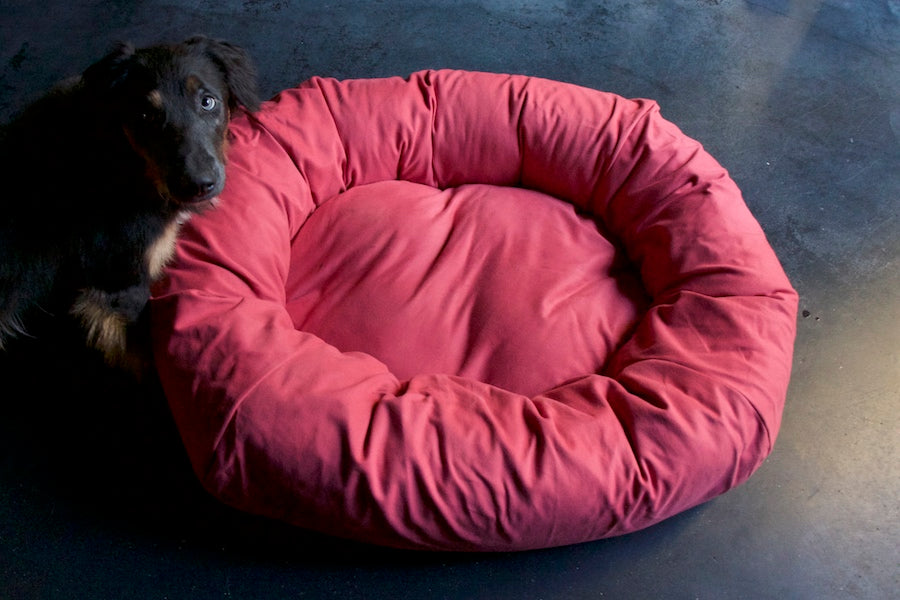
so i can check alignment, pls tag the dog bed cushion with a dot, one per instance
(468, 311)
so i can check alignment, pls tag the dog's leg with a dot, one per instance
(11, 326)
(11, 322)
(25, 282)
(106, 316)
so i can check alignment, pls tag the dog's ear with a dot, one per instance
(109, 71)
(236, 66)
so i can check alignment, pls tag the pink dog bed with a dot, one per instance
(469, 311)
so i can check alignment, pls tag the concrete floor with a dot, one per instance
(799, 99)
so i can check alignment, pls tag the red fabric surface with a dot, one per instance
(473, 312)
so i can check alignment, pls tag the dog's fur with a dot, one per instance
(98, 176)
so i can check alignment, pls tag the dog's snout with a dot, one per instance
(194, 189)
(188, 158)
(202, 177)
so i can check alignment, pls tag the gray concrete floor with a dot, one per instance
(799, 99)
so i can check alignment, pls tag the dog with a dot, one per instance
(100, 174)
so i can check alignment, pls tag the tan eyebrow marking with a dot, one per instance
(155, 98)
(193, 84)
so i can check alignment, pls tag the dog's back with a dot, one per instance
(33, 240)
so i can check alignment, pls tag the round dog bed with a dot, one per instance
(469, 311)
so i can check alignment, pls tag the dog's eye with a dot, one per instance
(207, 103)
(150, 116)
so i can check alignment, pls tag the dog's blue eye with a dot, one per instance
(207, 103)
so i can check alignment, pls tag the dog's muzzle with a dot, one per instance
(198, 186)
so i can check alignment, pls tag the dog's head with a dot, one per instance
(173, 104)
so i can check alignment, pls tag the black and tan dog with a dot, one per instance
(98, 176)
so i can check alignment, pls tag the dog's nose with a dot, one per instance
(190, 190)
(203, 190)
(205, 187)
(200, 178)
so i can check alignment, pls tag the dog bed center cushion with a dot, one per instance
(497, 284)
(467, 311)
